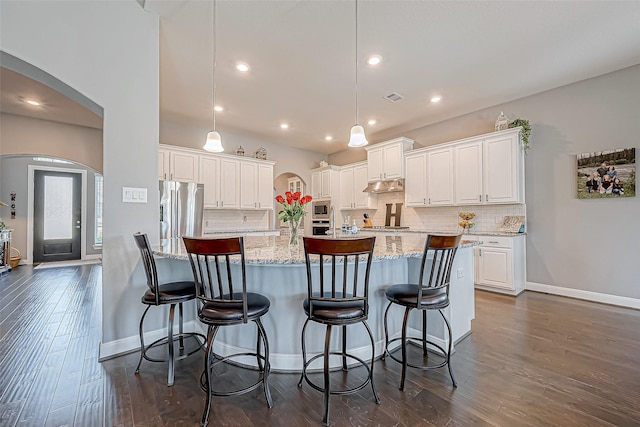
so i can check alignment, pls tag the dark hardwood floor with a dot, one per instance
(535, 360)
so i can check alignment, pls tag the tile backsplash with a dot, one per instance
(488, 217)
(223, 220)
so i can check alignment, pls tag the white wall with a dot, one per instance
(108, 51)
(588, 244)
(25, 135)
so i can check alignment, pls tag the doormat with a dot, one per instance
(72, 263)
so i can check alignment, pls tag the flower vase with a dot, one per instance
(294, 227)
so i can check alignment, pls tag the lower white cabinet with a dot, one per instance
(500, 263)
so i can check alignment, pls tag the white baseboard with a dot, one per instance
(122, 346)
(585, 295)
(93, 256)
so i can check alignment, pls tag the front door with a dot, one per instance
(56, 216)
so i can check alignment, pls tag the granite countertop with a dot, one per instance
(275, 249)
(213, 233)
(424, 231)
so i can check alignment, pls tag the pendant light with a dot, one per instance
(214, 141)
(358, 138)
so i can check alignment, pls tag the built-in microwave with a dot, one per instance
(320, 209)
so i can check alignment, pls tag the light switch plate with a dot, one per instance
(134, 195)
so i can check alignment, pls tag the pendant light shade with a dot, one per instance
(214, 140)
(358, 138)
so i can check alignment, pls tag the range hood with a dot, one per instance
(390, 186)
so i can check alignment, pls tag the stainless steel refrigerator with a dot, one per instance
(181, 209)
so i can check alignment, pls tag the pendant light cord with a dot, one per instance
(357, 107)
(213, 33)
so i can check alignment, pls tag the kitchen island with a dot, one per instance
(280, 274)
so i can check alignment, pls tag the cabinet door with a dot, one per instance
(163, 164)
(325, 184)
(375, 163)
(393, 162)
(248, 189)
(415, 186)
(346, 188)
(361, 200)
(495, 267)
(265, 186)
(209, 169)
(500, 170)
(184, 167)
(229, 183)
(316, 185)
(468, 173)
(439, 177)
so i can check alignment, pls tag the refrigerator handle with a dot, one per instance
(161, 213)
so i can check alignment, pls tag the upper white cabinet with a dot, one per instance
(325, 182)
(256, 185)
(468, 173)
(429, 177)
(386, 160)
(177, 165)
(230, 182)
(353, 179)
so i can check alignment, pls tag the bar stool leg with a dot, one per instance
(327, 385)
(449, 350)
(258, 358)
(142, 349)
(267, 365)
(386, 332)
(373, 350)
(344, 347)
(181, 328)
(170, 344)
(424, 334)
(304, 354)
(404, 347)
(207, 374)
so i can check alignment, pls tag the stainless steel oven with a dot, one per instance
(320, 227)
(321, 209)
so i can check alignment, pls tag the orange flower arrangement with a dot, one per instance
(292, 206)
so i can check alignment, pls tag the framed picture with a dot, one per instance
(606, 174)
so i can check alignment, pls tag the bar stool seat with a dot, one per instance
(406, 295)
(174, 292)
(257, 306)
(335, 310)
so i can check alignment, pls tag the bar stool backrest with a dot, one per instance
(329, 253)
(211, 265)
(149, 263)
(438, 275)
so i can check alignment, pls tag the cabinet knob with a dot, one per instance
(486, 197)
(480, 198)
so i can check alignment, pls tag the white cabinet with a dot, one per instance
(229, 183)
(385, 160)
(353, 179)
(503, 169)
(209, 167)
(468, 173)
(256, 185)
(489, 169)
(500, 264)
(177, 165)
(429, 178)
(325, 182)
(295, 184)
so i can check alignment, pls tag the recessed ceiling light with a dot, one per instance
(374, 60)
(328, 138)
(436, 99)
(372, 122)
(242, 67)
(218, 108)
(284, 125)
(32, 102)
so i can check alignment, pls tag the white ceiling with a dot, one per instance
(475, 54)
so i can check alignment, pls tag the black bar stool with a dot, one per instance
(337, 304)
(173, 293)
(222, 305)
(430, 295)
